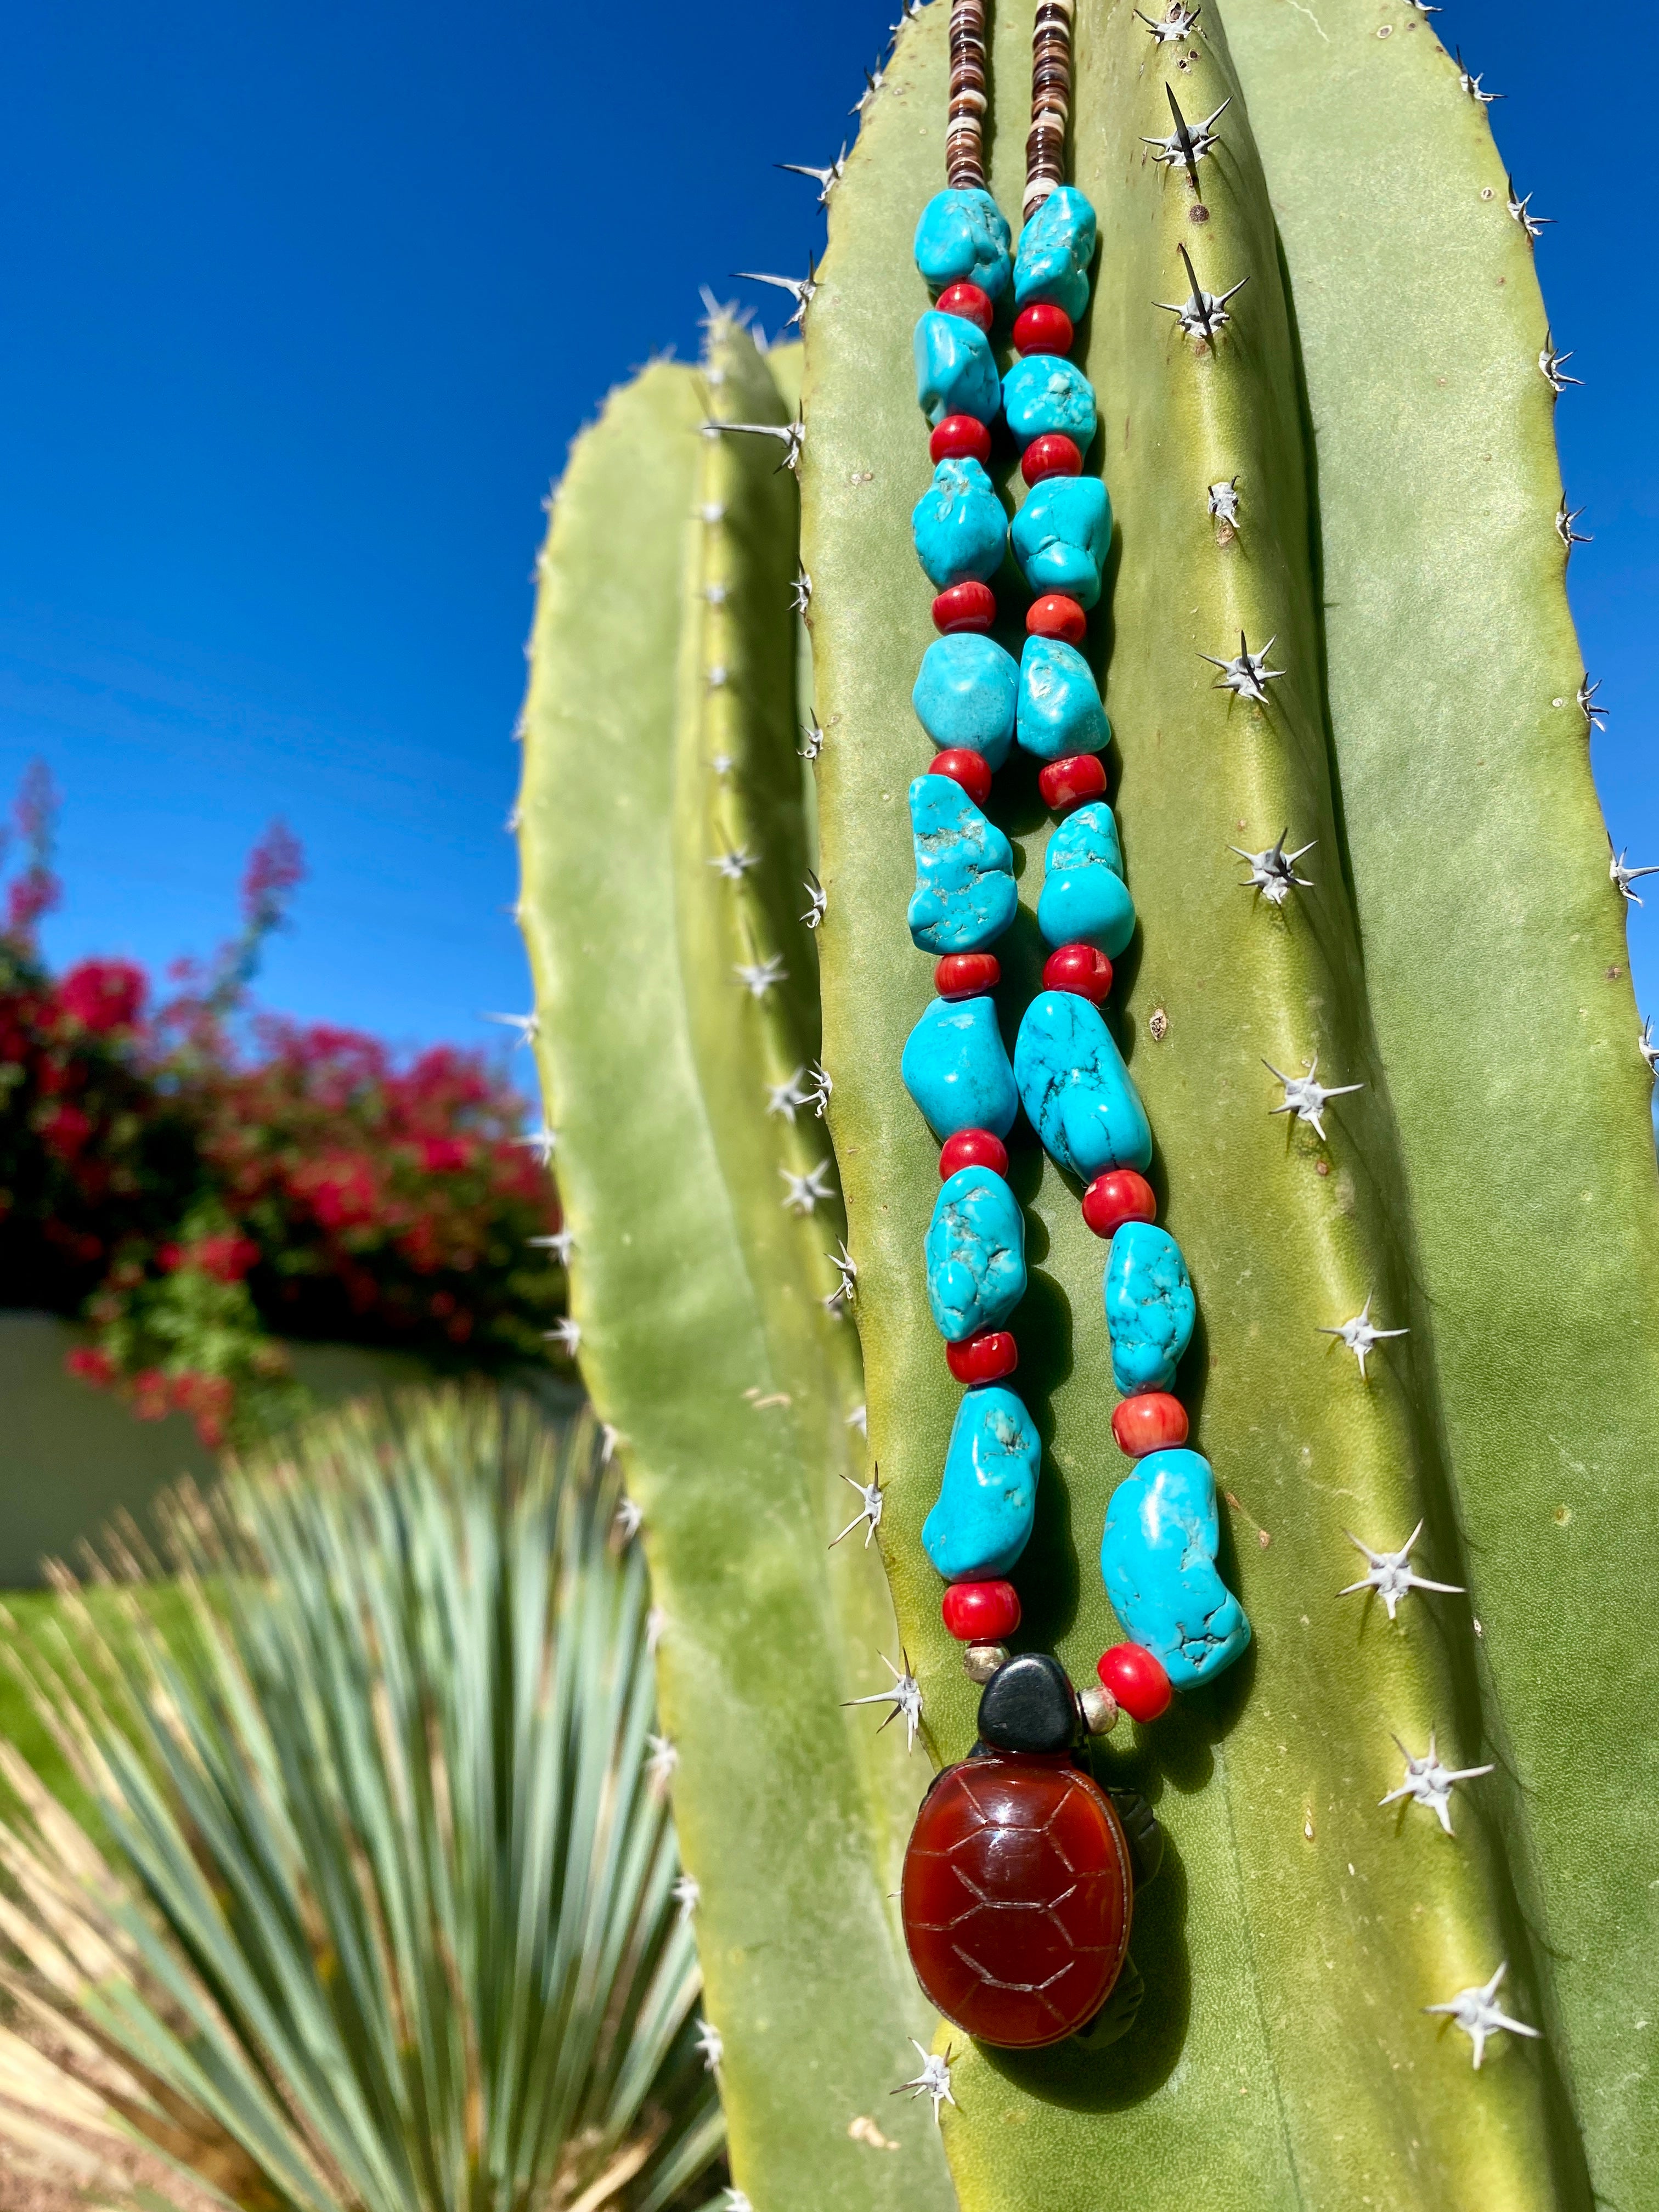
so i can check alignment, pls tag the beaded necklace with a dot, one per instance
(975, 703)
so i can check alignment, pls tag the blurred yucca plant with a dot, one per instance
(386, 1916)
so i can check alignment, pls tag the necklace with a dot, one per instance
(1022, 1944)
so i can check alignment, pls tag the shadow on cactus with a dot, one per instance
(380, 1906)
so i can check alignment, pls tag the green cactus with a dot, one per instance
(665, 839)
(1460, 954)
(1379, 402)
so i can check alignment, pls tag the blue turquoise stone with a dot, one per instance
(963, 238)
(975, 1254)
(1085, 899)
(955, 373)
(955, 1067)
(1042, 393)
(1157, 1560)
(1059, 710)
(1149, 1307)
(964, 896)
(959, 525)
(1061, 535)
(985, 1503)
(1055, 249)
(965, 696)
(1075, 1088)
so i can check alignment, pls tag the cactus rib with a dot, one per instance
(675, 1007)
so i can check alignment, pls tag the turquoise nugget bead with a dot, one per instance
(1055, 249)
(965, 896)
(1085, 899)
(955, 1067)
(1075, 1088)
(988, 1497)
(959, 525)
(1061, 535)
(1042, 393)
(955, 373)
(1059, 710)
(1157, 1560)
(975, 1254)
(963, 238)
(1149, 1307)
(965, 696)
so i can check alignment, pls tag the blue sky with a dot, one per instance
(302, 308)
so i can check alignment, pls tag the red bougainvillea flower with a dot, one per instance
(64, 1131)
(103, 995)
(227, 1259)
(92, 1364)
(339, 1188)
(443, 1155)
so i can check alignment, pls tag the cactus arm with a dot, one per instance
(1495, 949)
(696, 1292)
(1291, 1981)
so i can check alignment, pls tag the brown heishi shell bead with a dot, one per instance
(1079, 775)
(967, 974)
(1056, 616)
(1017, 1896)
(1149, 1422)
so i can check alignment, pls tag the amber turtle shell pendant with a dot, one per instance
(1019, 1884)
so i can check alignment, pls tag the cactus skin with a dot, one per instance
(1286, 1989)
(697, 1292)
(1495, 951)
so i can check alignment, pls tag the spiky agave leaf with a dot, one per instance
(385, 1919)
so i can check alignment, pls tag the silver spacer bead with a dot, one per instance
(1100, 1709)
(980, 1660)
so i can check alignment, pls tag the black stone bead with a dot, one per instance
(1029, 1704)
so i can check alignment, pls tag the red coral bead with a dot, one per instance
(1149, 1423)
(1081, 968)
(986, 1357)
(959, 438)
(1115, 1197)
(1079, 775)
(981, 1613)
(964, 606)
(1056, 616)
(967, 975)
(972, 1148)
(1053, 454)
(1136, 1679)
(969, 769)
(1042, 329)
(973, 306)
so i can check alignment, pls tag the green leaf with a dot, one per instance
(659, 735)
(385, 1917)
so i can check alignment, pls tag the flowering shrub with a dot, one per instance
(194, 1182)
